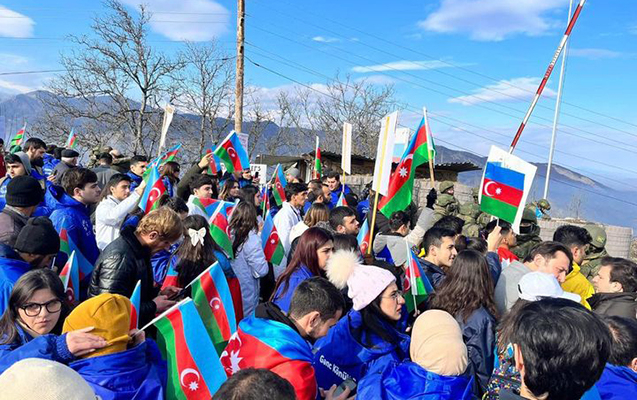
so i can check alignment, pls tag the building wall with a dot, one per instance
(618, 240)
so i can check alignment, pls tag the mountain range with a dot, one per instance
(571, 194)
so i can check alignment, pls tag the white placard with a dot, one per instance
(346, 155)
(262, 169)
(384, 152)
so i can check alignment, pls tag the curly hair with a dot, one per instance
(467, 287)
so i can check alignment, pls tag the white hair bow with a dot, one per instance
(196, 236)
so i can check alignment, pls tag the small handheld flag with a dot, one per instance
(318, 168)
(363, 236)
(342, 201)
(135, 303)
(154, 190)
(212, 297)
(506, 183)
(18, 139)
(271, 242)
(416, 285)
(215, 163)
(70, 141)
(220, 231)
(192, 373)
(232, 153)
(68, 247)
(278, 191)
(70, 276)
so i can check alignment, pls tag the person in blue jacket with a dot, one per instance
(138, 166)
(619, 379)
(367, 339)
(170, 177)
(80, 190)
(30, 326)
(129, 367)
(17, 164)
(467, 294)
(162, 259)
(51, 158)
(436, 370)
(309, 259)
(336, 188)
(35, 247)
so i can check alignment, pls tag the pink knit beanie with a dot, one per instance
(364, 282)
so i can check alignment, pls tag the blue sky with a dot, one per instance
(473, 63)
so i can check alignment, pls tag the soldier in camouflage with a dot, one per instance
(446, 203)
(469, 212)
(541, 208)
(483, 218)
(529, 235)
(596, 251)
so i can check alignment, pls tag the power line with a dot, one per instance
(622, 148)
(294, 64)
(399, 45)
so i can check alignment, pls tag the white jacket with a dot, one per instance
(109, 216)
(249, 265)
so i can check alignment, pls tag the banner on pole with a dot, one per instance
(506, 183)
(169, 110)
(346, 157)
(384, 153)
(243, 138)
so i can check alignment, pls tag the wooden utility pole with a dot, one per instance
(238, 103)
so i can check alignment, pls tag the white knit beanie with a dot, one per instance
(364, 282)
(39, 379)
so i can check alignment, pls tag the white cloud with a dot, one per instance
(324, 39)
(517, 89)
(494, 20)
(7, 59)
(197, 20)
(377, 79)
(10, 87)
(14, 24)
(594, 54)
(403, 65)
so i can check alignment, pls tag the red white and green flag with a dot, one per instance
(152, 193)
(318, 167)
(213, 299)
(70, 141)
(70, 276)
(278, 191)
(416, 284)
(401, 184)
(194, 373)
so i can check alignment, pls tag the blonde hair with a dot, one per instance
(164, 221)
(318, 212)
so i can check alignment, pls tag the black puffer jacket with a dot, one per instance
(120, 266)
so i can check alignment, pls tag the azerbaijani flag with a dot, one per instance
(318, 168)
(171, 275)
(192, 373)
(135, 304)
(170, 155)
(70, 277)
(220, 231)
(70, 141)
(401, 183)
(215, 163)
(210, 205)
(232, 153)
(342, 202)
(211, 295)
(271, 242)
(279, 186)
(363, 236)
(154, 190)
(68, 247)
(502, 191)
(18, 139)
(262, 343)
(416, 284)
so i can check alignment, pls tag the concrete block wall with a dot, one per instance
(618, 240)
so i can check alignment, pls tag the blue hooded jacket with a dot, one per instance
(3, 192)
(409, 380)
(135, 374)
(337, 193)
(341, 355)
(74, 217)
(49, 163)
(136, 180)
(49, 347)
(282, 299)
(362, 209)
(12, 267)
(160, 261)
(617, 383)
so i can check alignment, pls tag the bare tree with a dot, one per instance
(204, 87)
(105, 71)
(576, 207)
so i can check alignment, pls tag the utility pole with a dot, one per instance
(238, 93)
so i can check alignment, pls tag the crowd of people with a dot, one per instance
(508, 316)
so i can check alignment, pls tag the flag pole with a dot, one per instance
(429, 153)
(556, 116)
(376, 190)
(547, 74)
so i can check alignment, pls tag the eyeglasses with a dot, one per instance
(394, 296)
(34, 309)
